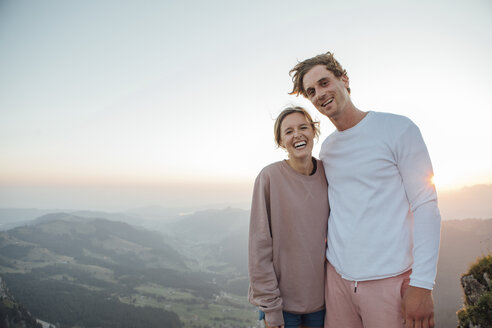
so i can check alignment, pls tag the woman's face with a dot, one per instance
(297, 136)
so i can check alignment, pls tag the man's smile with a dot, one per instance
(327, 102)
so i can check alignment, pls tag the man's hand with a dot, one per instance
(418, 308)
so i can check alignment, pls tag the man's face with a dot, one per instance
(327, 92)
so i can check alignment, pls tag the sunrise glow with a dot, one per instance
(159, 95)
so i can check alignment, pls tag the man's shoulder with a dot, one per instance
(392, 118)
(326, 142)
(392, 125)
(398, 130)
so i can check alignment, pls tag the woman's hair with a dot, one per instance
(290, 110)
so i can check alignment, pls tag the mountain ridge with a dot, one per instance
(63, 259)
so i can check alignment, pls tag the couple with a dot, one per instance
(382, 237)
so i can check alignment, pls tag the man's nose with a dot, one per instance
(320, 95)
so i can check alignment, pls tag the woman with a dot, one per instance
(287, 236)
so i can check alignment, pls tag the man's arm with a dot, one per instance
(416, 171)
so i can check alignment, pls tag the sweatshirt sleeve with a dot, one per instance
(416, 172)
(263, 289)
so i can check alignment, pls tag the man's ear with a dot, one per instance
(345, 80)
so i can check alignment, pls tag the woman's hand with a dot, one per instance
(267, 326)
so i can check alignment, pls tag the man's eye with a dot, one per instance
(324, 83)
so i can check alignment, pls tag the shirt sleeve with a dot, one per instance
(416, 172)
(263, 289)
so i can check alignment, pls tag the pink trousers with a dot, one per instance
(373, 304)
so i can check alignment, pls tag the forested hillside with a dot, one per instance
(86, 272)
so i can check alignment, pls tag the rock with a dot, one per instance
(477, 312)
(472, 289)
(487, 279)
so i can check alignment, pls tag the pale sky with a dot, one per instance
(119, 104)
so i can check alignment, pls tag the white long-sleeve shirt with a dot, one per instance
(384, 217)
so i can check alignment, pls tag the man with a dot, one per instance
(384, 225)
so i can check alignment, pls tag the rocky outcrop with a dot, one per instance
(477, 287)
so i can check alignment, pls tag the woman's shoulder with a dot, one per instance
(272, 168)
(269, 174)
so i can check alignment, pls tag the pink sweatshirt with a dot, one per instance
(287, 241)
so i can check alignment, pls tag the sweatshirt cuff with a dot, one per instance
(274, 318)
(421, 284)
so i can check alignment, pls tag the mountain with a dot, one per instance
(15, 217)
(150, 217)
(99, 241)
(472, 202)
(210, 225)
(120, 217)
(79, 271)
(233, 250)
(216, 240)
(67, 269)
(468, 202)
(159, 213)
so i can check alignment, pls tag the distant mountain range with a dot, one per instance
(465, 203)
(474, 202)
(208, 226)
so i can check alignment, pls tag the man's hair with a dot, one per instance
(303, 67)
(286, 112)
